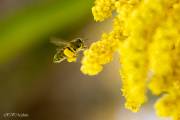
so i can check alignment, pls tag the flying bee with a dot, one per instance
(67, 50)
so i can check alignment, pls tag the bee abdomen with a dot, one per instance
(69, 52)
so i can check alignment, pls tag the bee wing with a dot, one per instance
(58, 41)
(59, 56)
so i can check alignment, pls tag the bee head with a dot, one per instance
(79, 42)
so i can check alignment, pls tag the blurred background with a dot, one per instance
(30, 83)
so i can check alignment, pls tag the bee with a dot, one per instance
(67, 50)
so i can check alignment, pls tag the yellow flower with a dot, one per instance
(99, 53)
(146, 34)
(168, 105)
(103, 9)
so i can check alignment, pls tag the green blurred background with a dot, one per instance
(29, 81)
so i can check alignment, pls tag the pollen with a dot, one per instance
(71, 56)
(71, 59)
(69, 53)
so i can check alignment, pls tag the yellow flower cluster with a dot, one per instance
(100, 53)
(103, 9)
(146, 34)
(168, 105)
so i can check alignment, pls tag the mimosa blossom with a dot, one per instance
(146, 34)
